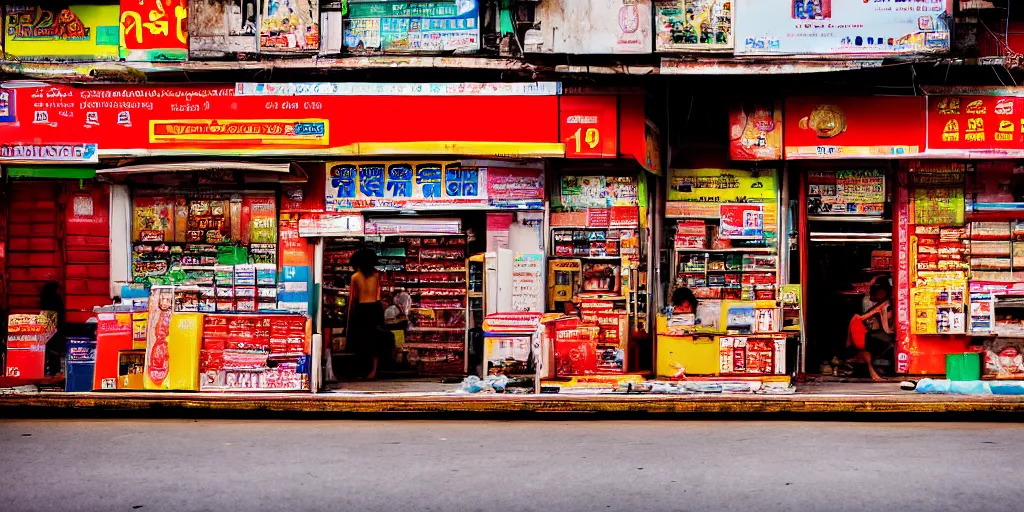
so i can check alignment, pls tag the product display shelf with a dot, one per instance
(432, 270)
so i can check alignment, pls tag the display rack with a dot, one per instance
(433, 270)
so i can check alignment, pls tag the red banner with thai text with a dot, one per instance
(959, 124)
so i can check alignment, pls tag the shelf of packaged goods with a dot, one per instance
(731, 271)
(444, 271)
(768, 250)
(476, 295)
(333, 289)
(603, 258)
(849, 218)
(287, 355)
(433, 346)
(440, 309)
(436, 329)
(441, 295)
(419, 284)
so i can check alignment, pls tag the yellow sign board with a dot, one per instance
(722, 186)
(86, 32)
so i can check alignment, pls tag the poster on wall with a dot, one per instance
(755, 131)
(687, 25)
(854, 127)
(842, 27)
(217, 28)
(591, 27)
(445, 25)
(62, 32)
(154, 30)
(583, 192)
(289, 26)
(741, 221)
(430, 185)
(846, 192)
(528, 283)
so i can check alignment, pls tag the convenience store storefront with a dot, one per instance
(205, 252)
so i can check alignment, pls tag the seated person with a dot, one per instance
(683, 301)
(871, 333)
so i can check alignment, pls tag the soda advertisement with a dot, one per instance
(62, 32)
(448, 25)
(687, 25)
(842, 27)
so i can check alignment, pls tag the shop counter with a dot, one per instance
(688, 351)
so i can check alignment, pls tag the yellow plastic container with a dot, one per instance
(173, 364)
(695, 355)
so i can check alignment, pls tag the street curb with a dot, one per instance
(164, 403)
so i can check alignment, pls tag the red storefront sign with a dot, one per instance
(216, 119)
(854, 127)
(588, 126)
(960, 125)
(154, 24)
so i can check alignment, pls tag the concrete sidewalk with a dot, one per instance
(812, 398)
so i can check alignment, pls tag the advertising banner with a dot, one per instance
(842, 27)
(846, 192)
(61, 32)
(961, 125)
(441, 185)
(290, 26)
(438, 26)
(154, 30)
(854, 127)
(755, 131)
(195, 119)
(218, 28)
(591, 27)
(687, 25)
(722, 186)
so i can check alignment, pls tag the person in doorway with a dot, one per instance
(871, 333)
(684, 301)
(50, 300)
(365, 311)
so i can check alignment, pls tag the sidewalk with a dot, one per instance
(815, 398)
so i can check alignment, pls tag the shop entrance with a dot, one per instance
(435, 272)
(847, 263)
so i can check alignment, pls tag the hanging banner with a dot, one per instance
(755, 131)
(687, 25)
(149, 120)
(842, 27)
(154, 30)
(61, 32)
(438, 185)
(438, 26)
(854, 127)
(975, 125)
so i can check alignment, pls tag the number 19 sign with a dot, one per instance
(589, 126)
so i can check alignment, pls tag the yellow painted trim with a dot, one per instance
(439, 148)
(523, 149)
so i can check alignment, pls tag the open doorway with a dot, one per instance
(848, 261)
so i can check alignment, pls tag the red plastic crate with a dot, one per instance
(73, 271)
(32, 259)
(85, 302)
(86, 257)
(25, 287)
(32, 230)
(33, 274)
(88, 243)
(87, 286)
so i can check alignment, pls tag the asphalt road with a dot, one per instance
(500, 466)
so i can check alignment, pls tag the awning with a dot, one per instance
(197, 166)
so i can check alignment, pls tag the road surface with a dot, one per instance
(502, 466)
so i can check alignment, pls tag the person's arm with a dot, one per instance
(887, 318)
